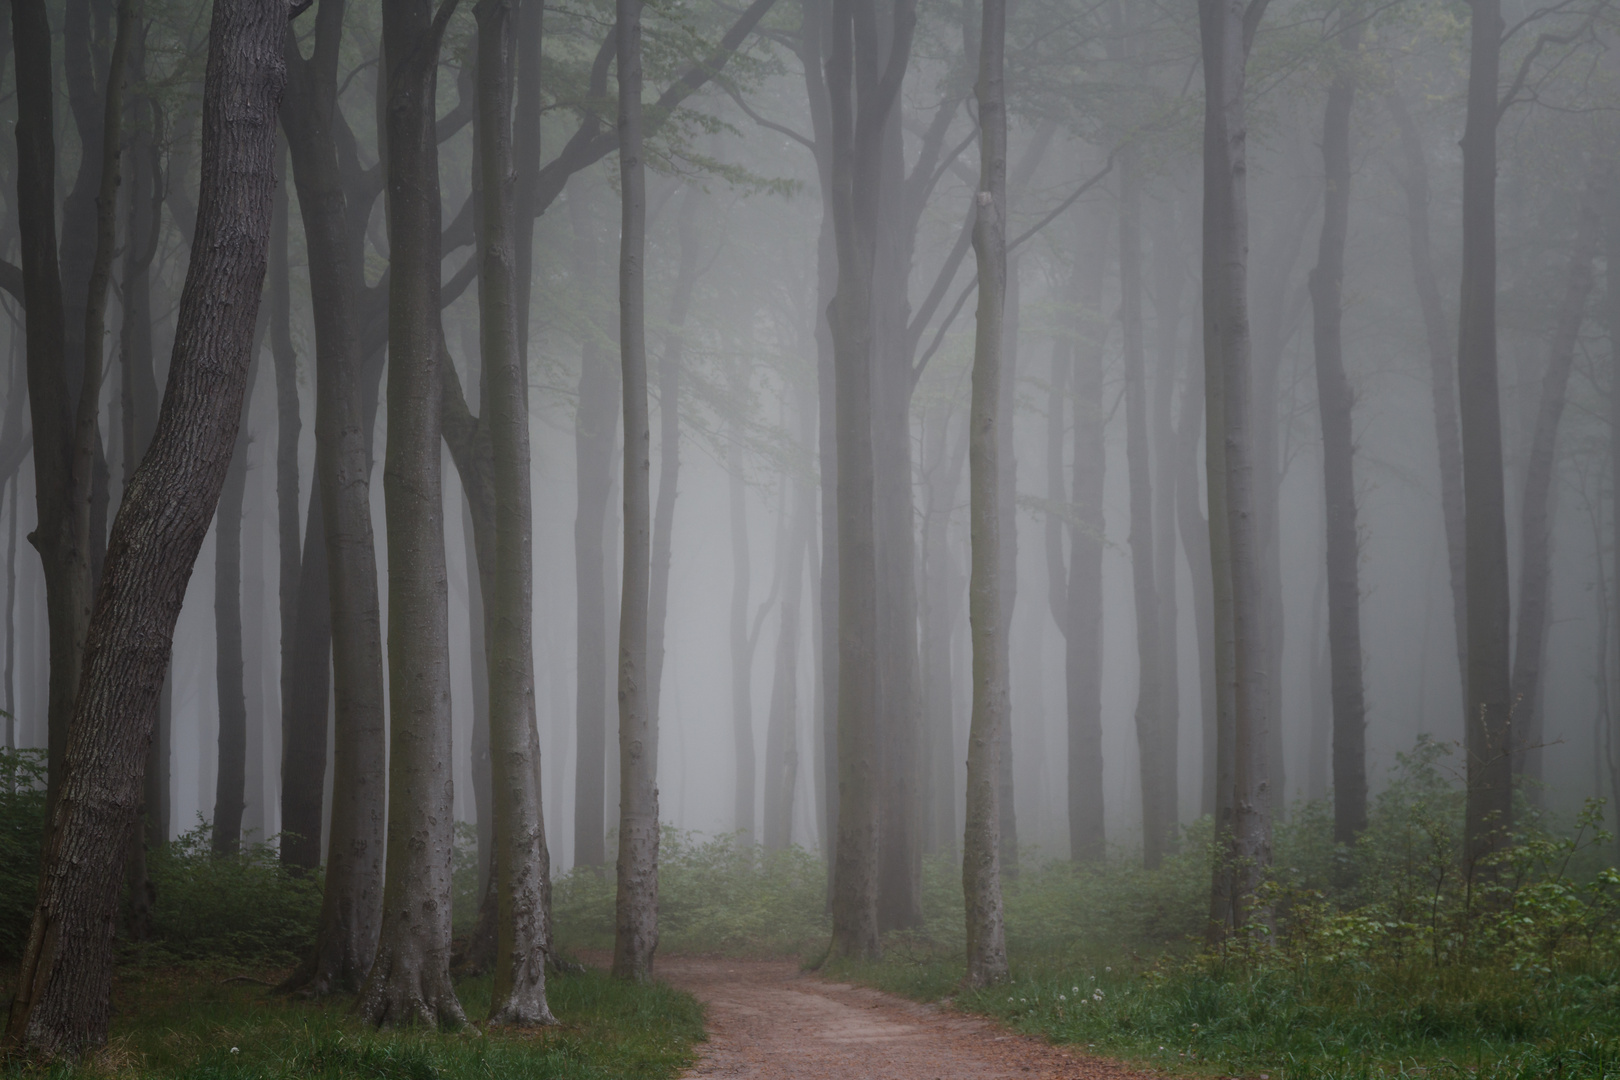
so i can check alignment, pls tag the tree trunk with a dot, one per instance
(339, 613)
(1612, 304)
(1535, 522)
(981, 839)
(1169, 277)
(940, 606)
(1336, 401)
(519, 992)
(862, 91)
(1194, 530)
(1227, 30)
(782, 732)
(64, 983)
(1007, 496)
(742, 652)
(1158, 769)
(410, 978)
(636, 905)
(231, 776)
(1442, 374)
(595, 425)
(1488, 736)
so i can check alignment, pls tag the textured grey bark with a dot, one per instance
(981, 837)
(409, 981)
(1535, 509)
(62, 1003)
(519, 992)
(1335, 401)
(231, 776)
(1157, 764)
(635, 937)
(595, 427)
(1414, 181)
(338, 606)
(1227, 31)
(863, 89)
(1487, 740)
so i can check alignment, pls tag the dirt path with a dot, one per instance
(767, 1021)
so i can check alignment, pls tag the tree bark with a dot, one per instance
(62, 1001)
(1336, 402)
(410, 978)
(862, 91)
(981, 838)
(339, 613)
(519, 992)
(1227, 30)
(1442, 374)
(636, 904)
(1535, 521)
(1488, 736)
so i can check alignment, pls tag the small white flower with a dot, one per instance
(1108, 969)
(1096, 995)
(234, 1050)
(1063, 997)
(1074, 990)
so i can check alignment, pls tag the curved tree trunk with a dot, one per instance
(410, 979)
(981, 839)
(64, 984)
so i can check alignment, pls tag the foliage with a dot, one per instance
(22, 821)
(714, 895)
(189, 1026)
(245, 907)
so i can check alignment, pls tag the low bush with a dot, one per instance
(22, 821)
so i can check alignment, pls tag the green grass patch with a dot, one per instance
(193, 1025)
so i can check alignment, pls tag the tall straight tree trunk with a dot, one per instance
(782, 732)
(64, 984)
(1488, 736)
(940, 606)
(410, 978)
(1414, 181)
(1007, 494)
(981, 838)
(1169, 277)
(1336, 401)
(742, 652)
(1227, 31)
(1194, 530)
(1158, 769)
(863, 89)
(50, 396)
(338, 610)
(1612, 304)
(13, 527)
(231, 776)
(1535, 521)
(519, 992)
(595, 425)
(635, 936)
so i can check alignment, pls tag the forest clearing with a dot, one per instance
(810, 538)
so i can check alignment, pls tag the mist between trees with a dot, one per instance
(1013, 434)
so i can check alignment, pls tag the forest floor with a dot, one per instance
(767, 1020)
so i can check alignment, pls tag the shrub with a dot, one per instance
(22, 822)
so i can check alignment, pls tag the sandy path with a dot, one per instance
(767, 1021)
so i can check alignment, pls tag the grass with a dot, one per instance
(191, 1025)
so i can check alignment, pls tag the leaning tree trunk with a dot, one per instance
(519, 992)
(1442, 373)
(635, 937)
(981, 839)
(410, 978)
(1336, 401)
(64, 984)
(1535, 524)
(1487, 738)
(1227, 30)
(338, 610)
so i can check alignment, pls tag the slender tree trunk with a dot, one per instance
(862, 91)
(981, 839)
(1007, 494)
(782, 733)
(1535, 522)
(1158, 769)
(1612, 303)
(1194, 530)
(742, 653)
(410, 978)
(595, 425)
(231, 776)
(1169, 277)
(1488, 736)
(62, 1001)
(1227, 30)
(1442, 373)
(338, 610)
(636, 906)
(13, 527)
(519, 993)
(940, 606)
(1336, 401)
